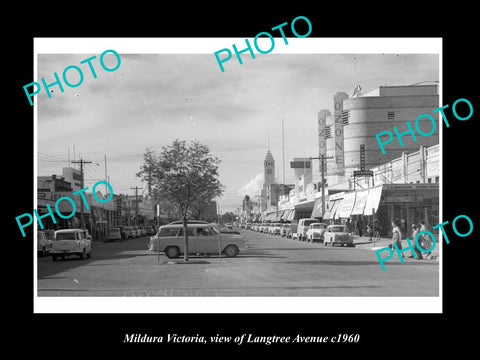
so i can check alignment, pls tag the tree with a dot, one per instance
(183, 174)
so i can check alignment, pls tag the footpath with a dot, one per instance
(364, 243)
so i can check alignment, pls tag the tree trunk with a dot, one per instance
(185, 236)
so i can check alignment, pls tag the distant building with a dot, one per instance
(73, 176)
(52, 184)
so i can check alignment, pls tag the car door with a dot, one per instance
(206, 240)
(191, 240)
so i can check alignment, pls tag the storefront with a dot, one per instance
(408, 203)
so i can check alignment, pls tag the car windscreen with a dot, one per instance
(65, 236)
(308, 222)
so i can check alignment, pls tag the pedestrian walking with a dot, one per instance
(348, 225)
(396, 236)
(425, 241)
(376, 229)
(415, 231)
(370, 231)
(359, 227)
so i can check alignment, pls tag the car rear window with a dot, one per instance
(65, 236)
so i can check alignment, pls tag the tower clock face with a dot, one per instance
(268, 163)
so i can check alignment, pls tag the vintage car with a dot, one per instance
(71, 242)
(274, 229)
(202, 239)
(292, 229)
(337, 234)
(303, 225)
(315, 232)
(284, 229)
(44, 244)
(114, 234)
(129, 232)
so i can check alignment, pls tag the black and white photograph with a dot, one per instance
(147, 148)
(231, 181)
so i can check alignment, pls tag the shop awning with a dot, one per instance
(291, 216)
(328, 209)
(373, 200)
(271, 216)
(333, 214)
(347, 205)
(360, 201)
(317, 208)
(285, 215)
(279, 215)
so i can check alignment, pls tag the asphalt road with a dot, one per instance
(271, 266)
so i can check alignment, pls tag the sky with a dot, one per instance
(152, 99)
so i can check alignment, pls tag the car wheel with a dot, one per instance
(82, 254)
(88, 255)
(231, 251)
(54, 257)
(172, 252)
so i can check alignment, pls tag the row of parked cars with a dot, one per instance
(79, 242)
(130, 232)
(311, 230)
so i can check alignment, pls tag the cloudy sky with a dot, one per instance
(152, 99)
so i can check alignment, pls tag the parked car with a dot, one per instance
(337, 234)
(284, 230)
(203, 239)
(129, 232)
(136, 231)
(275, 229)
(150, 230)
(50, 234)
(303, 225)
(315, 232)
(70, 242)
(44, 244)
(114, 234)
(292, 230)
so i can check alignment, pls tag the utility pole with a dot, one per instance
(322, 159)
(81, 162)
(136, 188)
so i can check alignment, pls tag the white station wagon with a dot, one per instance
(202, 239)
(71, 242)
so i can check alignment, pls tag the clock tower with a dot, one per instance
(269, 169)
